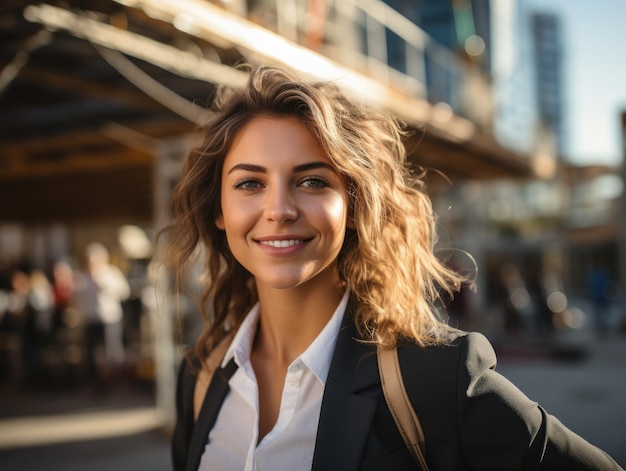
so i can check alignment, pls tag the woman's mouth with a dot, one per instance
(282, 243)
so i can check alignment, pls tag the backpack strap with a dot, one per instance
(205, 375)
(400, 406)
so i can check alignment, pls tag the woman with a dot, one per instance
(320, 248)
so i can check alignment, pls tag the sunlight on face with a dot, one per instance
(284, 205)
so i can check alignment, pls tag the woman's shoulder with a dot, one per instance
(452, 345)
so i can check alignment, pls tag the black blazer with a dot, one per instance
(472, 417)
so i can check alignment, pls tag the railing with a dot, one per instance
(371, 37)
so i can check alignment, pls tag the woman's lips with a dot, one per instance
(282, 243)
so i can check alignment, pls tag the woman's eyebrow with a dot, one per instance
(248, 167)
(312, 166)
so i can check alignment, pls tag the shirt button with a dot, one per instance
(293, 382)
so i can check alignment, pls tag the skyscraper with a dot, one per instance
(546, 35)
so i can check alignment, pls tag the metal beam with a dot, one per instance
(166, 57)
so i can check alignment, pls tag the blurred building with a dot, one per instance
(565, 221)
(99, 101)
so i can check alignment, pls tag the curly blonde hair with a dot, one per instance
(387, 260)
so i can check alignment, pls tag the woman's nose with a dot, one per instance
(280, 205)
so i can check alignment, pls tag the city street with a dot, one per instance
(120, 431)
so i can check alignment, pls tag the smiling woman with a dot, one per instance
(320, 254)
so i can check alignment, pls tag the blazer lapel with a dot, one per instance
(346, 417)
(208, 413)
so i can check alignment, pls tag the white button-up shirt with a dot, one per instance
(232, 443)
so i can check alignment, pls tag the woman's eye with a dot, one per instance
(313, 182)
(247, 185)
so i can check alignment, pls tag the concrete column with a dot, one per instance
(167, 166)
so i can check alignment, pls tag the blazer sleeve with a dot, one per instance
(181, 437)
(502, 429)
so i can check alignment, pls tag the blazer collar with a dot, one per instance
(346, 415)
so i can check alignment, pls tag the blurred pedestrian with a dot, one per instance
(548, 294)
(63, 285)
(518, 303)
(29, 316)
(598, 288)
(99, 293)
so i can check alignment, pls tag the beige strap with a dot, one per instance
(400, 406)
(209, 366)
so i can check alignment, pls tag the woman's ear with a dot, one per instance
(219, 222)
(350, 224)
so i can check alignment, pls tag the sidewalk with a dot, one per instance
(72, 430)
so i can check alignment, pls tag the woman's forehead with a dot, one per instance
(272, 140)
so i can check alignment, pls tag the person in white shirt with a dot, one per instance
(98, 295)
(319, 246)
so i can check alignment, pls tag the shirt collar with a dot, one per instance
(320, 353)
(316, 357)
(241, 346)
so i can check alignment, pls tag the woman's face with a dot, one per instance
(284, 205)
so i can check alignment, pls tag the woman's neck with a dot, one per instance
(290, 319)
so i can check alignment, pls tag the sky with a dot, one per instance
(594, 43)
